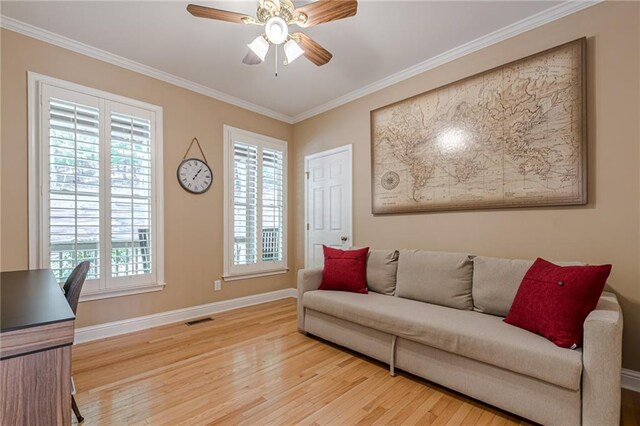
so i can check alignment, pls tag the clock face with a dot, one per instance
(195, 175)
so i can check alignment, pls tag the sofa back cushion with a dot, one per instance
(382, 267)
(496, 282)
(436, 277)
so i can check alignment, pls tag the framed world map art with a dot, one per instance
(513, 136)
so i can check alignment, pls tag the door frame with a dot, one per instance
(349, 175)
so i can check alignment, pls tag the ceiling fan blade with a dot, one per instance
(323, 11)
(251, 58)
(312, 50)
(220, 15)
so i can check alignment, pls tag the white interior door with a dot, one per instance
(327, 203)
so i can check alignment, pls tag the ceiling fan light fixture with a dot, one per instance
(292, 51)
(259, 46)
(276, 30)
(276, 16)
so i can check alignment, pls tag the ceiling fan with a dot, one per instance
(276, 16)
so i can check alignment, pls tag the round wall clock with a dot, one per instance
(195, 175)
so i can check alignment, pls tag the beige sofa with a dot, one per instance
(439, 316)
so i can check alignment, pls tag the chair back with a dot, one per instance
(73, 285)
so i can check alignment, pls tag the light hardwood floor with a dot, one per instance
(252, 367)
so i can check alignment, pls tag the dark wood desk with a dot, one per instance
(36, 335)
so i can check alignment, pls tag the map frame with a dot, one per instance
(580, 74)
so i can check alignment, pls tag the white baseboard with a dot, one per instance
(110, 329)
(631, 380)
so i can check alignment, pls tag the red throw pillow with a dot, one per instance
(345, 270)
(553, 301)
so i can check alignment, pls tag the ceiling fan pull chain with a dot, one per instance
(276, 49)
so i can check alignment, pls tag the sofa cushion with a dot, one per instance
(382, 266)
(435, 277)
(478, 336)
(496, 282)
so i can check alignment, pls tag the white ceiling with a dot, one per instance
(384, 38)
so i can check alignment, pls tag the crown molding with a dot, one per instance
(512, 30)
(527, 24)
(102, 55)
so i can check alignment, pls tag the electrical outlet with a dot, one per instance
(217, 285)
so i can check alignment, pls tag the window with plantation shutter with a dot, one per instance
(245, 204)
(74, 185)
(255, 214)
(131, 200)
(272, 204)
(95, 187)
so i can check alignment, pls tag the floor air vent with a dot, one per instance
(198, 321)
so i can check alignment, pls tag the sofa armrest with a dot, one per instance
(602, 363)
(308, 279)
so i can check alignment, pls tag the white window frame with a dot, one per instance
(106, 286)
(237, 272)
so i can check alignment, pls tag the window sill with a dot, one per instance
(237, 277)
(118, 292)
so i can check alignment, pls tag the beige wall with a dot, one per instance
(193, 224)
(606, 230)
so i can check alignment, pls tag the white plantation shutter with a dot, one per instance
(98, 175)
(74, 186)
(131, 195)
(272, 205)
(255, 220)
(245, 204)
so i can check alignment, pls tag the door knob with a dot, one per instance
(344, 238)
